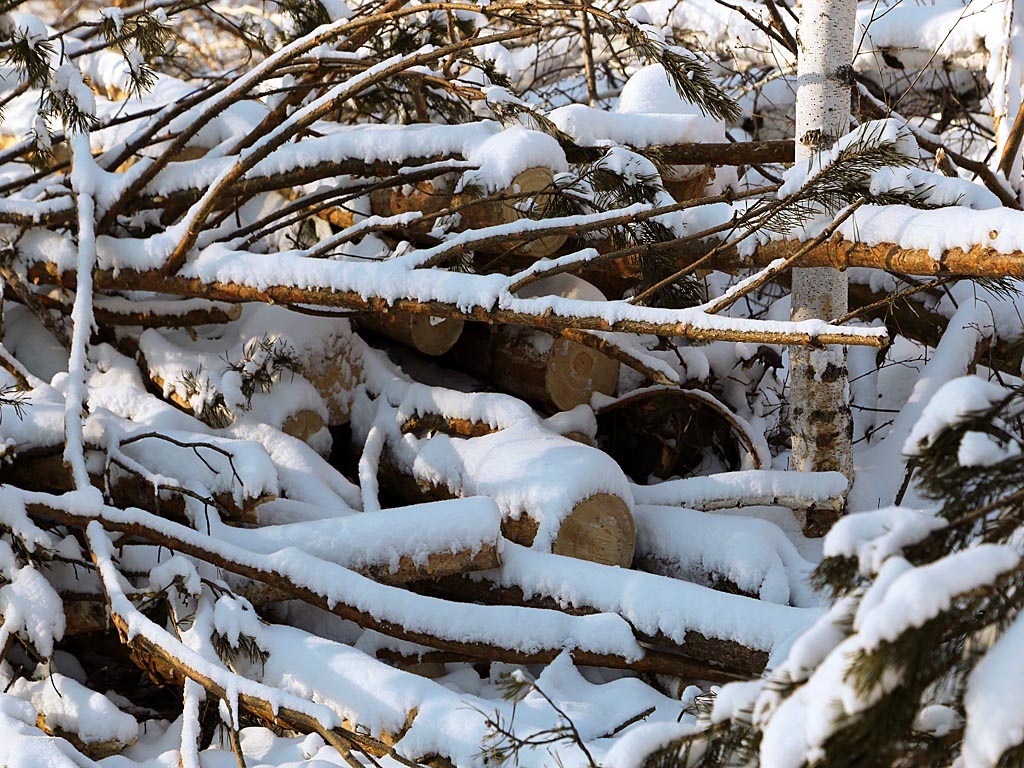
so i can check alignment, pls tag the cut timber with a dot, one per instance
(339, 216)
(84, 614)
(751, 488)
(599, 528)
(335, 370)
(477, 631)
(689, 186)
(595, 531)
(97, 750)
(156, 313)
(585, 514)
(674, 620)
(559, 372)
(392, 546)
(487, 212)
(840, 253)
(303, 424)
(693, 153)
(424, 333)
(909, 316)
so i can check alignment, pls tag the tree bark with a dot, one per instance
(819, 387)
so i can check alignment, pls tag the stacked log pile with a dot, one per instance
(413, 399)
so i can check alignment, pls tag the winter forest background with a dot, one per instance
(589, 383)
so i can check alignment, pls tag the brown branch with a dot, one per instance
(548, 321)
(195, 544)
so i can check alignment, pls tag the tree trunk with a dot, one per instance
(819, 389)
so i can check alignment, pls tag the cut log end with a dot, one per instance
(427, 334)
(303, 424)
(575, 372)
(434, 335)
(691, 186)
(601, 529)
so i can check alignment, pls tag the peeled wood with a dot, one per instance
(425, 333)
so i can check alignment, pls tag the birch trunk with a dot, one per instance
(819, 389)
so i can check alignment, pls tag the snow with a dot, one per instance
(994, 722)
(594, 127)
(872, 537)
(382, 538)
(951, 404)
(30, 606)
(72, 708)
(920, 594)
(754, 555)
(84, 182)
(655, 605)
(308, 525)
(745, 488)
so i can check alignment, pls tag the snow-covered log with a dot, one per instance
(554, 493)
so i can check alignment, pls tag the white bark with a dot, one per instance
(819, 388)
(1006, 74)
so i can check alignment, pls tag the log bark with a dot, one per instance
(464, 536)
(721, 658)
(709, 153)
(97, 750)
(44, 470)
(592, 520)
(559, 372)
(426, 197)
(667, 432)
(911, 319)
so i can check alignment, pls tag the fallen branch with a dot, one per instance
(595, 316)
